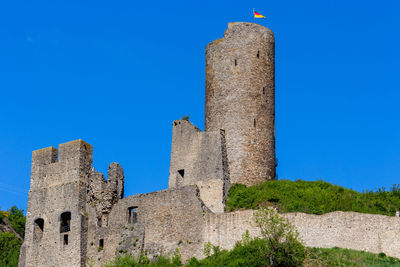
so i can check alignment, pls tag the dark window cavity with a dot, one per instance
(181, 173)
(38, 227)
(132, 215)
(254, 123)
(235, 62)
(65, 240)
(263, 90)
(101, 243)
(258, 54)
(65, 225)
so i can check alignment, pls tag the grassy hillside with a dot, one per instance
(251, 255)
(312, 197)
(346, 257)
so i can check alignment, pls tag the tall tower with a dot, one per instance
(56, 218)
(240, 98)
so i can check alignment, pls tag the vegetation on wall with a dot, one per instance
(317, 197)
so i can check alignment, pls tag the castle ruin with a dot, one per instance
(75, 217)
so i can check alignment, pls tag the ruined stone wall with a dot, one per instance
(200, 158)
(240, 98)
(155, 223)
(57, 186)
(368, 232)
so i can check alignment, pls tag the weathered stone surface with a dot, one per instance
(68, 197)
(57, 187)
(240, 98)
(352, 230)
(200, 158)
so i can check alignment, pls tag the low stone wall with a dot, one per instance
(368, 232)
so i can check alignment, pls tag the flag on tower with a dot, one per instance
(258, 15)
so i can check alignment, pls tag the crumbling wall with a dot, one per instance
(200, 158)
(154, 223)
(102, 194)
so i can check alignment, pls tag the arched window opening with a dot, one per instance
(38, 227)
(65, 225)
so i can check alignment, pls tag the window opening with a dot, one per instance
(235, 62)
(38, 229)
(65, 240)
(258, 54)
(263, 90)
(65, 225)
(254, 123)
(181, 173)
(132, 215)
(101, 243)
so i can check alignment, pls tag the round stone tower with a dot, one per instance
(240, 98)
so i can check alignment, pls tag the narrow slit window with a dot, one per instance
(132, 215)
(101, 243)
(263, 90)
(258, 54)
(38, 227)
(254, 123)
(235, 62)
(65, 240)
(181, 173)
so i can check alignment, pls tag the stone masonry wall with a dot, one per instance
(200, 158)
(368, 232)
(156, 223)
(57, 186)
(240, 98)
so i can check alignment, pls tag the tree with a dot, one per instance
(17, 220)
(283, 246)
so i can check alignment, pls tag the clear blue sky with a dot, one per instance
(117, 73)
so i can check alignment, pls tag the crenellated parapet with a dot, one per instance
(71, 163)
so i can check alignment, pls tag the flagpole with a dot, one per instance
(254, 18)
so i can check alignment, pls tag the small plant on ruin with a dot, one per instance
(186, 118)
(207, 249)
(283, 246)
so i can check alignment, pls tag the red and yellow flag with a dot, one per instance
(258, 15)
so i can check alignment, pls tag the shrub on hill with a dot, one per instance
(312, 197)
(9, 249)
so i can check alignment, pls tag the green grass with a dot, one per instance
(252, 255)
(317, 197)
(347, 257)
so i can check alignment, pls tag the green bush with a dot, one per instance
(9, 249)
(143, 261)
(283, 246)
(312, 197)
